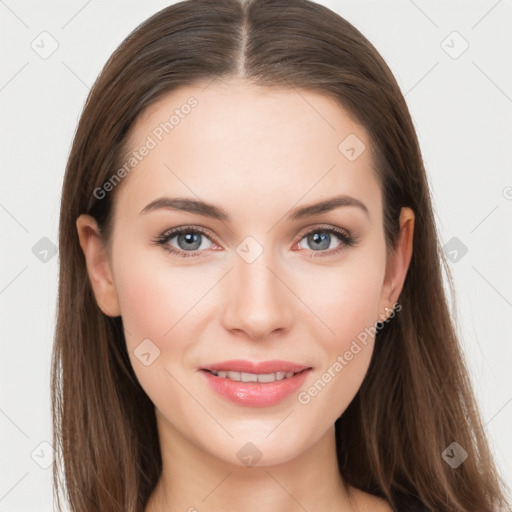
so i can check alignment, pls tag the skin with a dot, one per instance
(257, 153)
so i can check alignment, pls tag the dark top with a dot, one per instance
(410, 504)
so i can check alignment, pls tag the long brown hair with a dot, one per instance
(416, 398)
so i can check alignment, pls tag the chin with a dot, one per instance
(256, 451)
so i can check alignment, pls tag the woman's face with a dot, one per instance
(262, 283)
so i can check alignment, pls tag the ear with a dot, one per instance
(398, 262)
(98, 265)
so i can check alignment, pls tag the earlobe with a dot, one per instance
(98, 266)
(398, 264)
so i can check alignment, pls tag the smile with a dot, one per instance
(254, 389)
(254, 377)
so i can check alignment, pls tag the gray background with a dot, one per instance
(461, 103)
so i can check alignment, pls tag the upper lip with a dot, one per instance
(238, 365)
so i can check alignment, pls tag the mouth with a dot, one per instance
(255, 367)
(254, 377)
(255, 384)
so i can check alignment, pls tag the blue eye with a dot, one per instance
(188, 237)
(190, 241)
(321, 238)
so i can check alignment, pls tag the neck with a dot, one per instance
(196, 481)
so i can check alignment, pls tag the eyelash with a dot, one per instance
(347, 239)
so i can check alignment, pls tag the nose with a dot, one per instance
(258, 299)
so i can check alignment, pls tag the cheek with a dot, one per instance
(165, 304)
(146, 303)
(154, 301)
(153, 296)
(345, 300)
(346, 353)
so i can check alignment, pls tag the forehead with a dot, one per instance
(232, 140)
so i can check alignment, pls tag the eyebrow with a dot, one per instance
(215, 212)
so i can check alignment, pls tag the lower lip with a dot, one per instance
(255, 394)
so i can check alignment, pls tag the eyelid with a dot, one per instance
(187, 228)
(323, 227)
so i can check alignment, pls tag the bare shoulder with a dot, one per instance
(365, 502)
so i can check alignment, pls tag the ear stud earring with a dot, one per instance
(390, 311)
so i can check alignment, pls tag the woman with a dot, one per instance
(251, 309)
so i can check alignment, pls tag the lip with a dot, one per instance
(255, 394)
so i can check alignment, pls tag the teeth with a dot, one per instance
(253, 377)
(245, 377)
